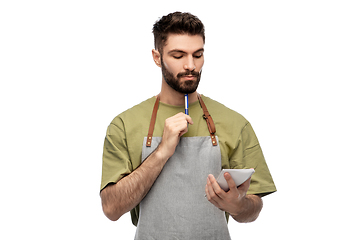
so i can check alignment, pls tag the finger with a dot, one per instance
(244, 187)
(210, 194)
(207, 191)
(230, 181)
(181, 118)
(189, 119)
(182, 115)
(182, 127)
(176, 121)
(247, 182)
(183, 132)
(215, 186)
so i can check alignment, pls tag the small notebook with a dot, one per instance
(238, 175)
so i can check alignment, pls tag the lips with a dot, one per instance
(189, 77)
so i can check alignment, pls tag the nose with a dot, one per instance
(190, 64)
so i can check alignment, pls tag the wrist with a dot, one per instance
(165, 150)
(242, 207)
(161, 153)
(249, 209)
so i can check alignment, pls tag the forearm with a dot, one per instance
(250, 209)
(127, 193)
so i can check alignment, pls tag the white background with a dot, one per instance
(67, 68)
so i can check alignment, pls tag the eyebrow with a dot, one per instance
(181, 51)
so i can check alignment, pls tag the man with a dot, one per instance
(159, 163)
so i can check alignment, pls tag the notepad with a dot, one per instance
(238, 175)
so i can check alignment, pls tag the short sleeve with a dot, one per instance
(249, 155)
(116, 160)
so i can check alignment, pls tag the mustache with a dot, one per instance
(188, 73)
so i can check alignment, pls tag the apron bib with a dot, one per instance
(175, 206)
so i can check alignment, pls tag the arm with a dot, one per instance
(127, 193)
(243, 208)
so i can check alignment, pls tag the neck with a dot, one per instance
(172, 97)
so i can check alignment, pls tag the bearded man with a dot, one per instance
(159, 162)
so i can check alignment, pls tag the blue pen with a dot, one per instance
(186, 104)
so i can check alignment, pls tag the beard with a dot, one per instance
(185, 87)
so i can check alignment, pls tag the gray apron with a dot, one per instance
(175, 206)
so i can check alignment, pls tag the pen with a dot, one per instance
(186, 104)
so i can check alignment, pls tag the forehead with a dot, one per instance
(184, 42)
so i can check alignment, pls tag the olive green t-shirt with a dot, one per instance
(239, 145)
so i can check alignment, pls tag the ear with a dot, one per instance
(156, 57)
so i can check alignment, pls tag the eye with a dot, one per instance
(199, 55)
(177, 56)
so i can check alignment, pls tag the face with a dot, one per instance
(182, 60)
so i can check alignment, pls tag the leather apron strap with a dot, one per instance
(206, 116)
(209, 121)
(152, 122)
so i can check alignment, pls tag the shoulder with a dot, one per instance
(222, 114)
(138, 113)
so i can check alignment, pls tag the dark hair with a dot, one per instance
(176, 23)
